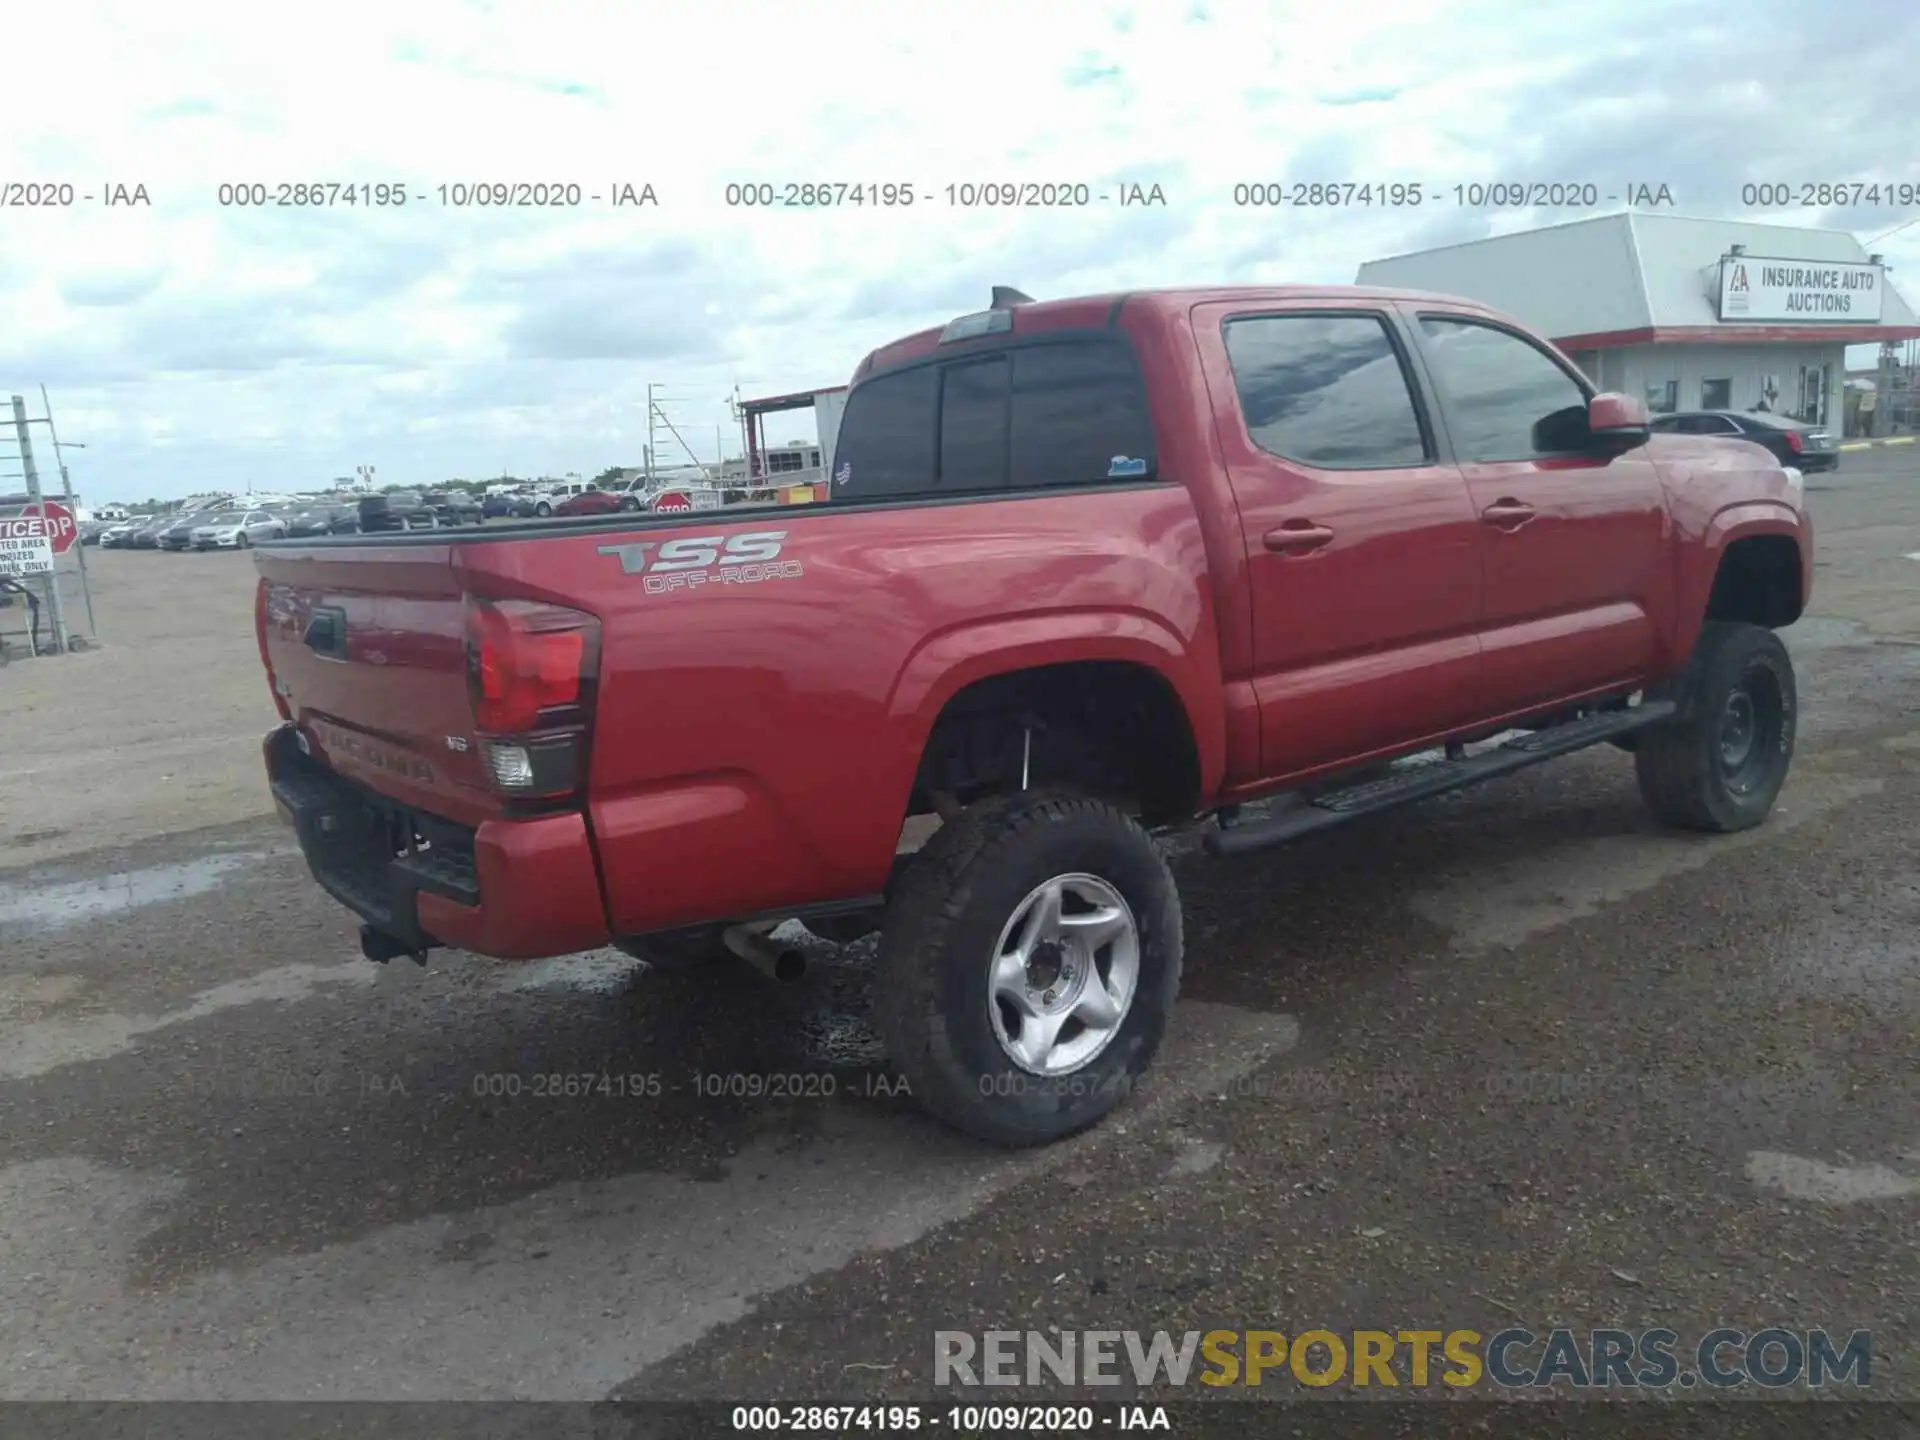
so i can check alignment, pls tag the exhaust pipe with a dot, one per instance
(782, 963)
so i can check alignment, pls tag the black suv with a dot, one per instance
(332, 518)
(402, 510)
(454, 507)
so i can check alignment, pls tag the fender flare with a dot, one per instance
(1741, 520)
(948, 661)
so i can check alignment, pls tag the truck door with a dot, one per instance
(1573, 543)
(1361, 545)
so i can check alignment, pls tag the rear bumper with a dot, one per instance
(514, 889)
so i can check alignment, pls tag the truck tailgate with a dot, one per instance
(367, 648)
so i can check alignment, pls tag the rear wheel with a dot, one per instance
(1718, 765)
(1028, 965)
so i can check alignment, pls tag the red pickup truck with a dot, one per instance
(1091, 569)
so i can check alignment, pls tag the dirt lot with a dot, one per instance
(1513, 1057)
(154, 733)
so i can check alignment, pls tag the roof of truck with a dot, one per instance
(1082, 311)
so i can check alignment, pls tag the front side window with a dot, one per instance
(1325, 390)
(1506, 398)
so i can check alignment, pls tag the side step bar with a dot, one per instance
(1337, 807)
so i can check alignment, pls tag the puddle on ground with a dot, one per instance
(55, 906)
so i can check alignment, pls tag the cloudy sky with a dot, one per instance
(191, 344)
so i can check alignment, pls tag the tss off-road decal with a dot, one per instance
(694, 561)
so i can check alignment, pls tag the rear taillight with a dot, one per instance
(531, 670)
(266, 659)
(1794, 442)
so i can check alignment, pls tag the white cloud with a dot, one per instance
(191, 343)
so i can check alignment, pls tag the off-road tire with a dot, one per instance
(1692, 770)
(936, 946)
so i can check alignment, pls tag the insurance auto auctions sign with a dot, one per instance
(1813, 292)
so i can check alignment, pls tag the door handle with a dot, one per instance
(1297, 537)
(1507, 513)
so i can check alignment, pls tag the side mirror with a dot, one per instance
(1617, 423)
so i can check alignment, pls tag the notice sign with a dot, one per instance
(1812, 292)
(22, 554)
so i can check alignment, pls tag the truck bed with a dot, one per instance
(768, 675)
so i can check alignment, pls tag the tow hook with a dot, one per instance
(380, 947)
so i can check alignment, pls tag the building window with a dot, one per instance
(1716, 394)
(1663, 396)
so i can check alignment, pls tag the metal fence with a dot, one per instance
(46, 604)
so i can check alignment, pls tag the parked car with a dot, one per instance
(118, 532)
(238, 529)
(179, 535)
(498, 504)
(147, 537)
(542, 503)
(454, 507)
(1808, 448)
(597, 502)
(330, 518)
(1094, 568)
(399, 510)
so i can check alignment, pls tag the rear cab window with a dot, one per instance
(1055, 411)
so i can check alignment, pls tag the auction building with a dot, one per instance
(1690, 314)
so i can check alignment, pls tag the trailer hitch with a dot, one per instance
(380, 947)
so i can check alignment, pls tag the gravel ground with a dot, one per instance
(1509, 1058)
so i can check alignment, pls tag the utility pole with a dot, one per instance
(35, 501)
(66, 490)
(1883, 391)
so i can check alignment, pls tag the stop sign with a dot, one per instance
(673, 500)
(56, 522)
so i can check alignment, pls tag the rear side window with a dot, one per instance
(973, 426)
(1327, 390)
(885, 448)
(1078, 416)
